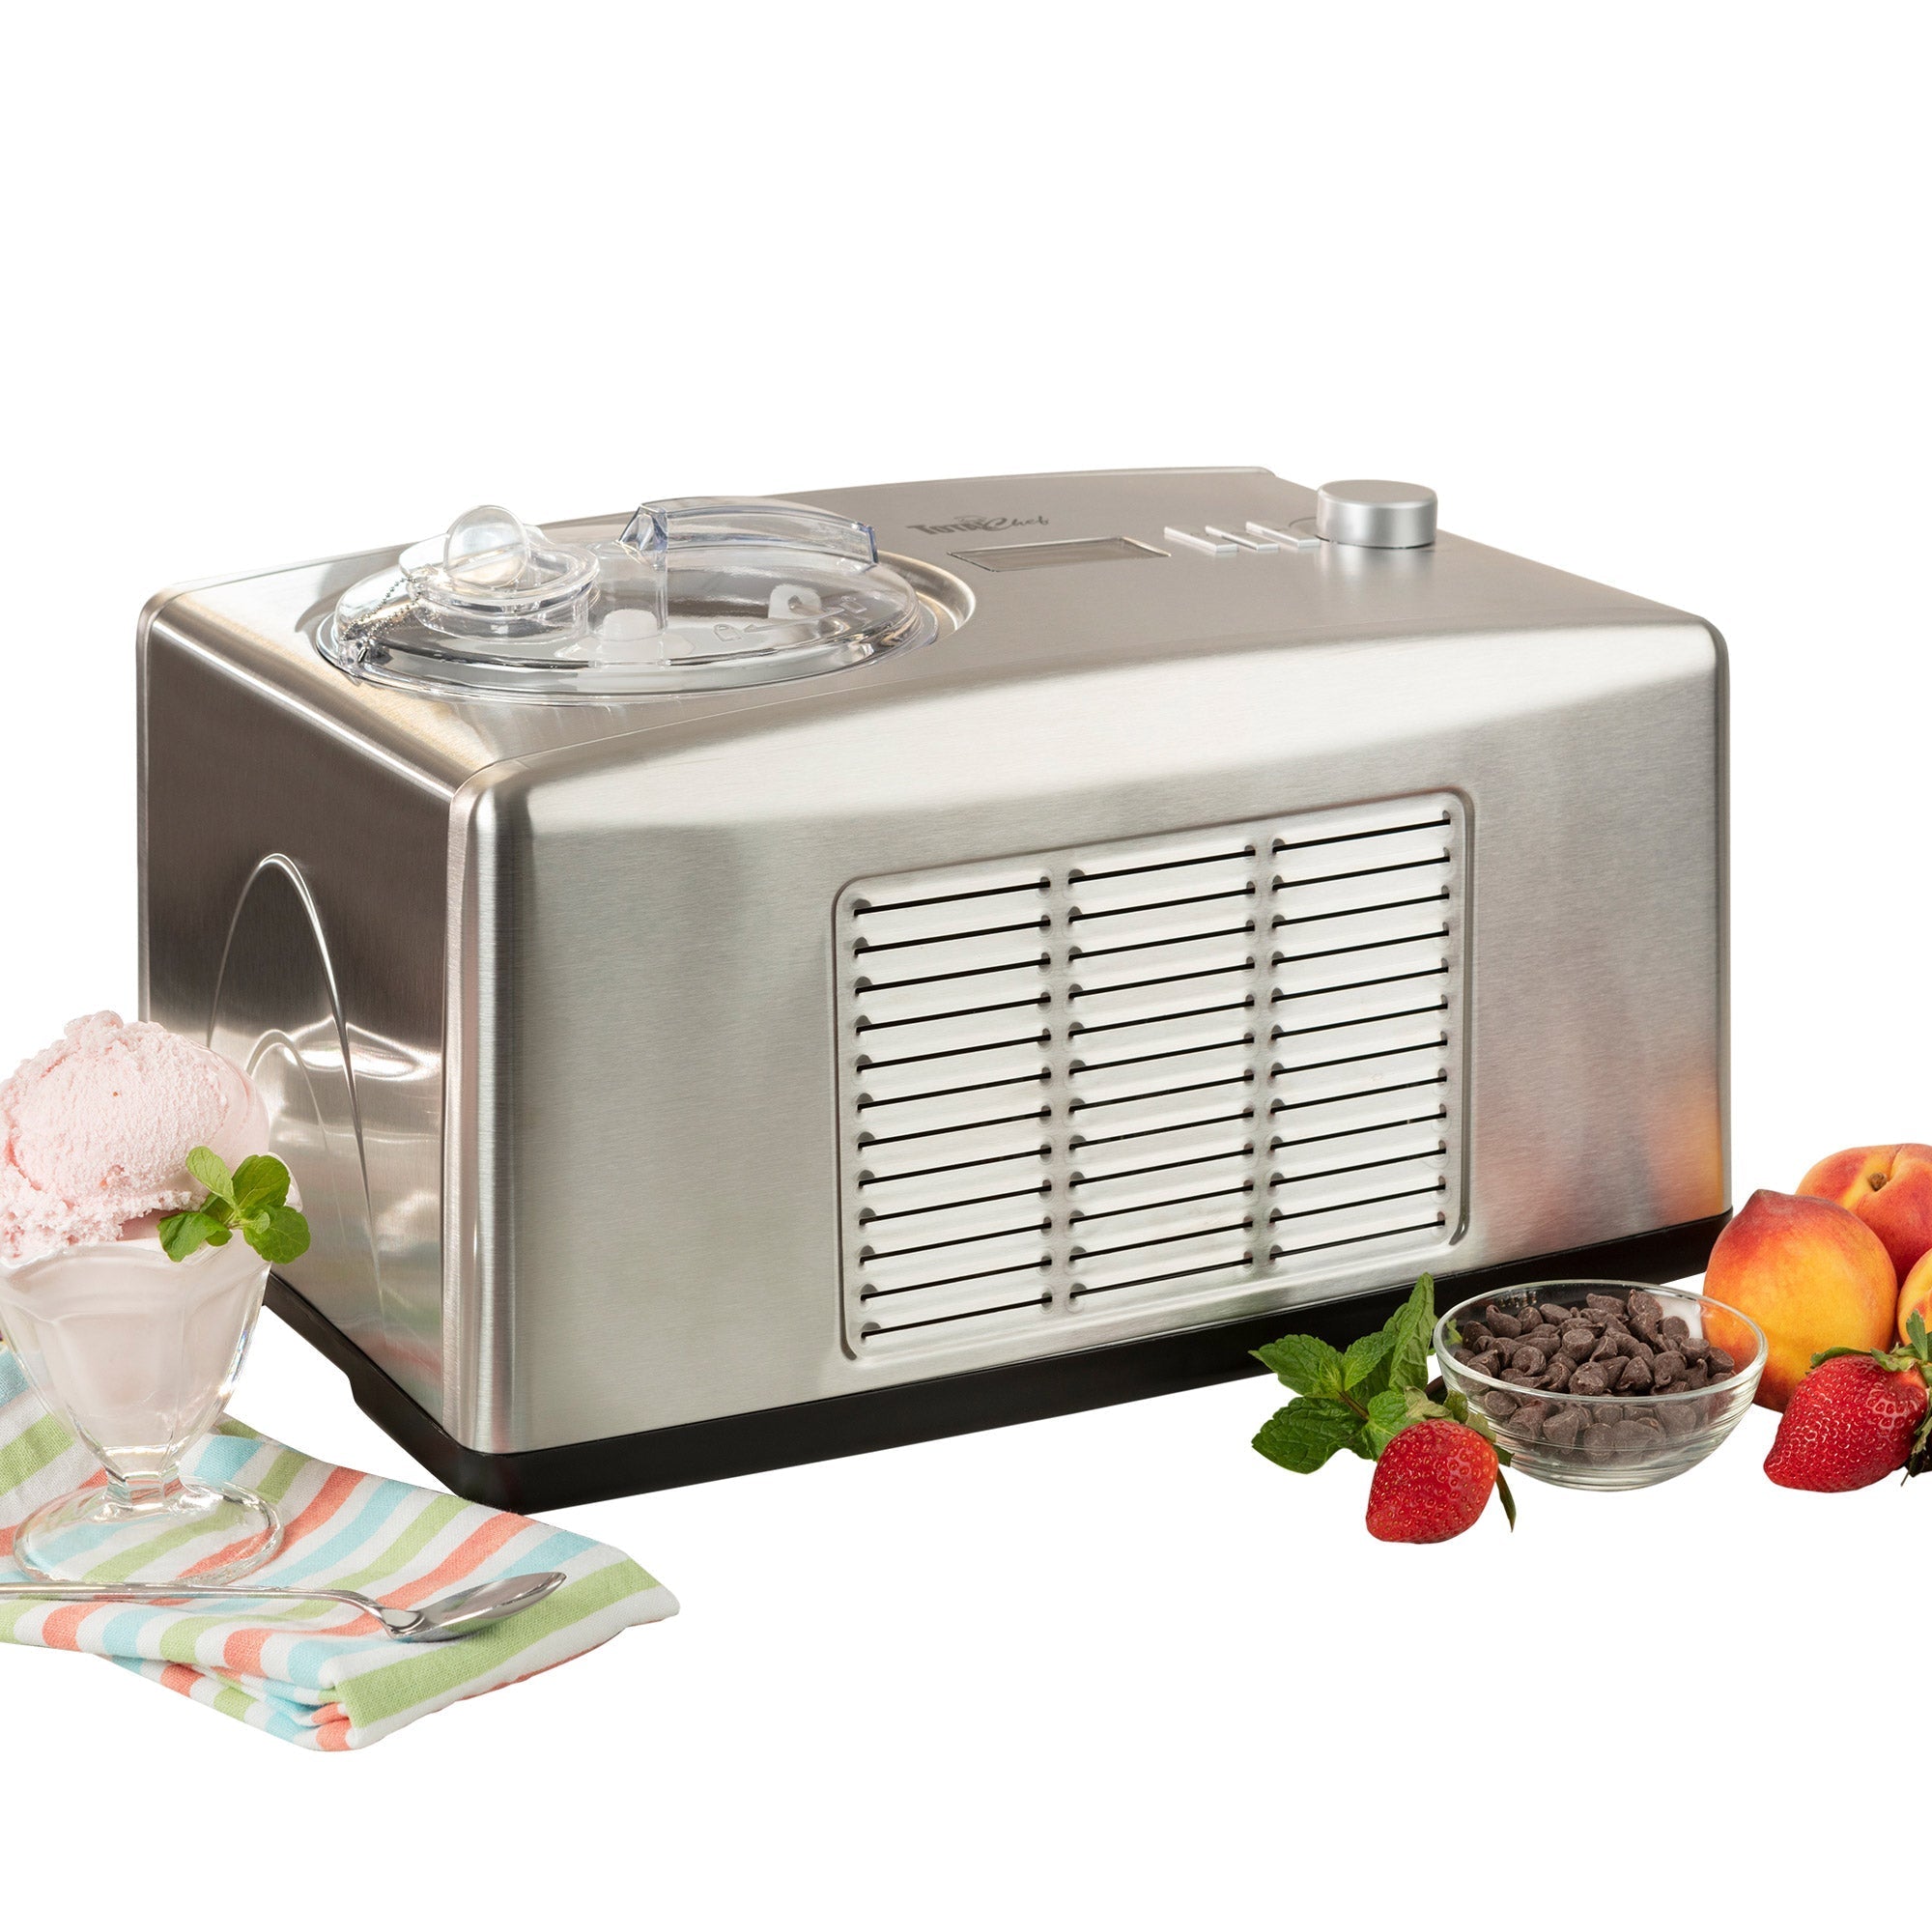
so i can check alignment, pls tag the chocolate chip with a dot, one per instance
(1499, 1323)
(1645, 1306)
(1722, 1362)
(1600, 1443)
(1564, 1426)
(1674, 1327)
(1524, 1377)
(1634, 1436)
(1593, 1378)
(1605, 1304)
(1680, 1418)
(1554, 1314)
(1669, 1367)
(1489, 1363)
(1556, 1376)
(1695, 1349)
(1635, 1379)
(1606, 1350)
(1529, 1358)
(1527, 1424)
(1578, 1342)
(1697, 1374)
(1500, 1404)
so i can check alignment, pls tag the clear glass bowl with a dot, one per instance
(138, 1354)
(1620, 1442)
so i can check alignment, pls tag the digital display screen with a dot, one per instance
(1042, 556)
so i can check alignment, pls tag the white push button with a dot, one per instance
(1256, 542)
(1215, 545)
(1298, 535)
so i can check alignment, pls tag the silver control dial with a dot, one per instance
(1375, 515)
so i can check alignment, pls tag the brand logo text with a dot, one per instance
(965, 524)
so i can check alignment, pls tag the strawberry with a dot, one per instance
(1855, 1418)
(1432, 1481)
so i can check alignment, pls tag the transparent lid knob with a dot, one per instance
(692, 594)
(486, 549)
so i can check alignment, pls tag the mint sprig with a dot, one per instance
(1361, 1398)
(252, 1200)
(1341, 1395)
(1310, 1429)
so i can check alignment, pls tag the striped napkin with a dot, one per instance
(321, 1674)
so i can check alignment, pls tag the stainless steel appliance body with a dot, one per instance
(1201, 918)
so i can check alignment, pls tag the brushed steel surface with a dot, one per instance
(265, 845)
(509, 965)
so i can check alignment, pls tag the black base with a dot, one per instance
(883, 1418)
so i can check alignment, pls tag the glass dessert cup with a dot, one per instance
(138, 1354)
(1592, 1452)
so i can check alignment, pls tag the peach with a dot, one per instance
(1916, 1297)
(1810, 1274)
(1889, 1188)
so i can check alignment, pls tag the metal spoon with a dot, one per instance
(451, 1616)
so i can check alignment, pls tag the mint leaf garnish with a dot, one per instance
(1365, 1365)
(208, 1167)
(1358, 1399)
(1395, 1408)
(182, 1233)
(253, 1199)
(1304, 1435)
(1388, 1417)
(1414, 1323)
(1396, 1356)
(1307, 1364)
(260, 1182)
(277, 1234)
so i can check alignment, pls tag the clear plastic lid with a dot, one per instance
(693, 595)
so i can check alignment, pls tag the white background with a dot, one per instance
(1639, 289)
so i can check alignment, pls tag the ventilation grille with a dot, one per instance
(1157, 1071)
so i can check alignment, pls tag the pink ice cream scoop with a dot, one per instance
(95, 1133)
